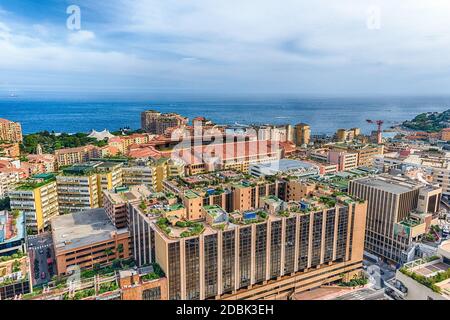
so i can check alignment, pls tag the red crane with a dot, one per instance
(379, 124)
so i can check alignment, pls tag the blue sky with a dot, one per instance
(204, 47)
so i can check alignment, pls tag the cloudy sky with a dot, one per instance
(231, 47)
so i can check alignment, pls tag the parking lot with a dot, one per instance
(42, 257)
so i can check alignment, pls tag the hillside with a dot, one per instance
(429, 122)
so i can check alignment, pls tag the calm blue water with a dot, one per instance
(325, 115)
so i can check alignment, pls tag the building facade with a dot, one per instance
(10, 131)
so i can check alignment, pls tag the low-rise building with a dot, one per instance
(70, 156)
(12, 232)
(9, 150)
(423, 279)
(87, 239)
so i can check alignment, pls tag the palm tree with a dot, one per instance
(108, 252)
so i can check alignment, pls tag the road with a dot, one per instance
(364, 294)
(40, 248)
(378, 272)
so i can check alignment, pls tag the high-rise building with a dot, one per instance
(252, 254)
(10, 131)
(399, 211)
(81, 186)
(115, 203)
(37, 198)
(149, 174)
(302, 134)
(157, 123)
(78, 189)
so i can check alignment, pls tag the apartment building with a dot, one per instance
(365, 152)
(7, 182)
(399, 212)
(115, 203)
(70, 156)
(43, 163)
(155, 122)
(445, 134)
(10, 131)
(83, 240)
(109, 176)
(37, 198)
(122, 143)
(78, 189)
(252, 254)
(10, 150)
(343, 135)
(344, 160)
(151, 175)
(302, 134)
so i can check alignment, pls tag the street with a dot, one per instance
(40, 248)
(364, 294)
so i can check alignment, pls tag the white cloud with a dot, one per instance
(254, 45)
(80, 37)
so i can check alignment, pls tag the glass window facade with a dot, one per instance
(342, 234)
(260, 252)
(289, 246)
(275, 249)
(245, 251)
(329, 235)
(192, 263)
(174, 271)
(317, 239)
(228, 254)
(304, 242)
(152, 294)
(210, 266)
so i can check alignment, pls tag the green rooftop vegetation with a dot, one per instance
(191, 194)
(192, 228)
(34, 184)
(176, 206)
(429, 282)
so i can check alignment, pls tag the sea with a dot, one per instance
(325, 115)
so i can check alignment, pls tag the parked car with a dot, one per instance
(43, 275)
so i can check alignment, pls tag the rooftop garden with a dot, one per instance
(18, 255)
(188, 228)
(248, 217)
(429, 282)
(355, 282)
(155, 274)
(34, 184)
(330, 202)
(106, 270)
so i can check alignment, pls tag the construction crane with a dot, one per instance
(379, 124)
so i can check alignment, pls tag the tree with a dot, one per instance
(108, 252)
